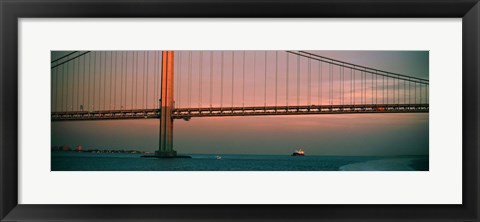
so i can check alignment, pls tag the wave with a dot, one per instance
(403, 164)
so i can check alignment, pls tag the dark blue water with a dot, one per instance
(75, 161)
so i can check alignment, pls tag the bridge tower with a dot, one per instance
(166, 106)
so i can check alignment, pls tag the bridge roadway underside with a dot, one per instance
(187, 113)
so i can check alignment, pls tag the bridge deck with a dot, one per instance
(187, 113)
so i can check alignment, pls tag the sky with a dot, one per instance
(346, 134)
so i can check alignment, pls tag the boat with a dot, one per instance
(298, 152)
(218, 157)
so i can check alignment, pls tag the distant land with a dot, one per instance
(67, 148)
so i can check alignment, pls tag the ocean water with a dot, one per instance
(79, 161)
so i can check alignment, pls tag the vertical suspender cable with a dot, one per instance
(56, 88)
(342, 84)
(179, 78)
(342, 81)
(190, 62)
(332, 84)
(233, 74)
(124, 69)
(351, 86)
(288, 71)
(78, 84)
(94, 78)
(372, 90)
(122, 59)
(70, 102)
(135, 69)
(156, 78)
(365, 86)
(309, 81)
(123, 90)
(76, 74)
(396, 88)
(83, 83)
(133, 75)
(115, 85)
(89, 74)
(265, 81)
(221, 84)
(387, 88)
(354, 84)
(111, 79)
(383, 89)
(415, 87)
(124, 81)
(329, 83)
(243, 81)
(135, 62)
(428, 100)
(393, 90)
(409, 91)
(254, 75)
(104, 80)
(121, 81)
(309, 101)
(144, 78)
(298, 80)
(62, 87)
(73, 83)
(361, 88)
(200, 70)
(320, 83)
(376, 87)
(421, 92)
(276, 76)
(155, 84)
(427, 94)
(159, 94)
(211, 78)
(398, 91)
(100, 75)
(68, 88)
(53, 93)
(146, 81)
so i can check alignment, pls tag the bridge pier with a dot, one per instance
(166, 107)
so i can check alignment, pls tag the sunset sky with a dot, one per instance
(344, 134)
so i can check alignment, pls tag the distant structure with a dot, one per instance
(79, 148)
(66, 148)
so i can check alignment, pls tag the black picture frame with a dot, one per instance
(11, 11)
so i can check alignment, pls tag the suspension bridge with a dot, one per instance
(168, 85)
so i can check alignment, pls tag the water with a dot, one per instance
(75, 161)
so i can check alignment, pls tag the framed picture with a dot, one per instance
(314, 110)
